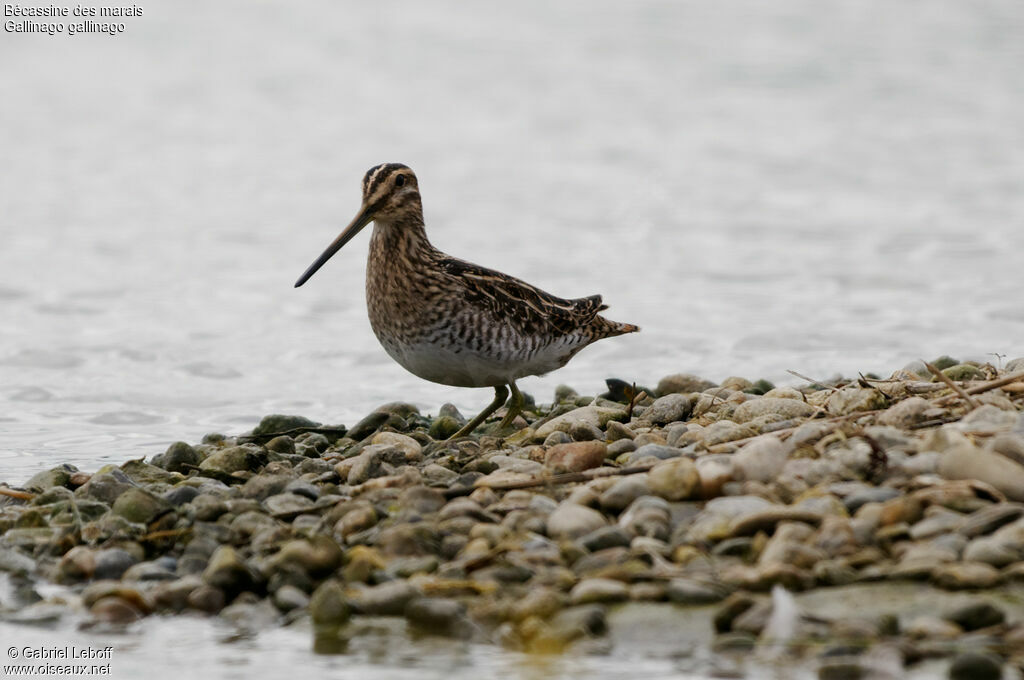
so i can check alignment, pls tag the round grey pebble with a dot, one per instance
(975, 666)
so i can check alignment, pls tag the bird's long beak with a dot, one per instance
(364, 217)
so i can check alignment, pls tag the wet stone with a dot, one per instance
(206, 598)
(58, 476)
(975, 666)
(179, 457)
(659, 451)
(623, 492)
(180, 495)
(116, 610)
(288, 597)
(14, 562)
(328, 606)
(136, 505)
(106, 486)
(311, 444)
(228, 572)
(112, 563)
(606, 537)
(149, 571)
(976, 614)
(281, 444)
(387, 599)
(265, 485)
(592, 590)
(444, 427)
(234, 459)
(282, 423)
(439, 616)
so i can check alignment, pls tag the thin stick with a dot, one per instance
(725, 447)
(565, 478)
(20, 495)
(811, 380)
(991, 385)
(952, 385)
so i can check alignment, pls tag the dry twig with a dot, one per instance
(565, 478)
(952, 385)
(811, 380)
(985, 387)
(13, 493)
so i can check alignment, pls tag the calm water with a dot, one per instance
(825, 187)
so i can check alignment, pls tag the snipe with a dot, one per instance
(453, 322)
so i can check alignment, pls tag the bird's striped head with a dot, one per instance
(391, 195)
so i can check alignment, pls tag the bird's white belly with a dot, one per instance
(465, 368)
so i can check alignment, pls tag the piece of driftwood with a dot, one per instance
(14, 493)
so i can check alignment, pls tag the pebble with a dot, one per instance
(386, 599)
(970, 462)
(623, 492)
(975, 666)
(683, 383)
(328, 605)
(390, 521)
(668, 409)
(439, 616)
(575, 456)
(787, 408)
(650, 452)
(591, 590)
(760, 460)
(570, 521)
(693, 592)
(965, 575)
(605, 537)
(228, 572)
(596, 416)
(976, 614)
(112, 563)
(675, 479)
(179, 457)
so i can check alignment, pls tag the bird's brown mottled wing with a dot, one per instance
(531, 309)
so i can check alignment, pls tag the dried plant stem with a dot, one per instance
(565, 478)
(13, 493)
(985, 387)
(952, 385)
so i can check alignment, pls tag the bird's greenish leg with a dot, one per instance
(500, 394)
(514, 408)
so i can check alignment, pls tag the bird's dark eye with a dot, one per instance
(400, 181)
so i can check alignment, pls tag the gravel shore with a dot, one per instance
(854, 527)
